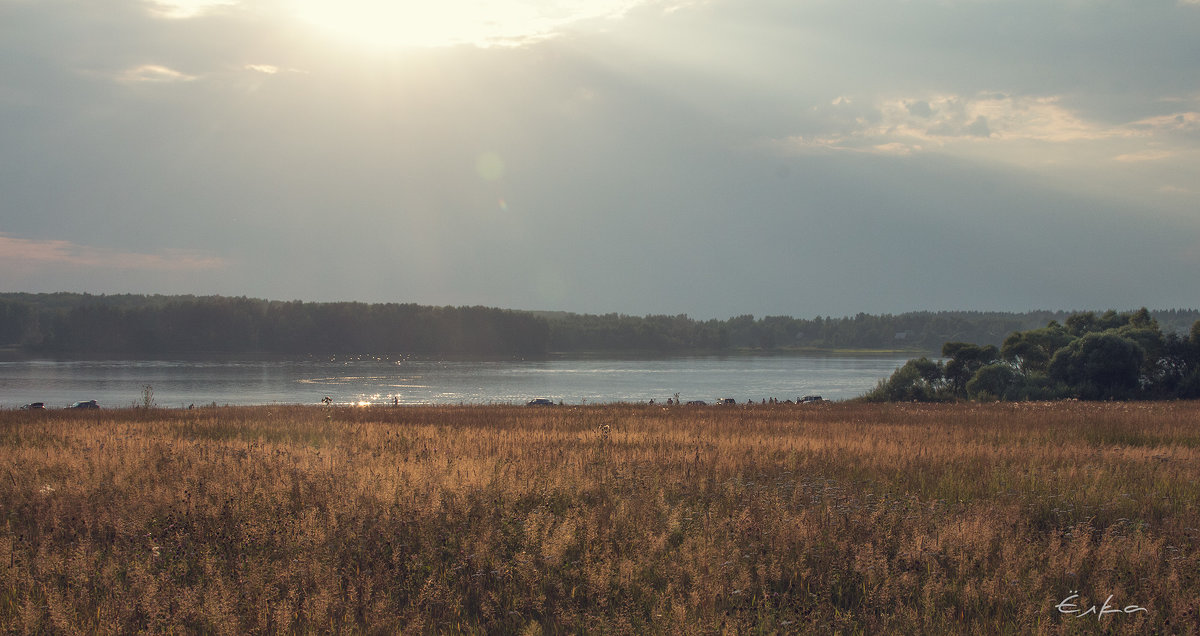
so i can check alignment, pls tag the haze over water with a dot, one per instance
(179, 384)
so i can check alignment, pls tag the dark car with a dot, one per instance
(697, 403)
(89, 404)
(35, 406)
(540, 402)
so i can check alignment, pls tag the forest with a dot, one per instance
(1110, 356)
(67, 325)
(125, 325)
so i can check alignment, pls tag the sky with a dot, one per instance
(702, 157)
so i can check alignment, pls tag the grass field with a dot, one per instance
(847, 518)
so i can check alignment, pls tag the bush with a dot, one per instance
(921, 380)
(993, 382)
(1099, 366)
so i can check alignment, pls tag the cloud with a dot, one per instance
(893, 149)
(155, 74)
(938, 122)
(1187, 122)
(621, 147)
(448, 23)
(26, 252)
(183, 9)
(1144, 155)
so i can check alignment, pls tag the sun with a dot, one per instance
(396, 24)
(437, 23)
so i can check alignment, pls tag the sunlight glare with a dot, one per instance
(422, 24)
(182, 9)
(409, 23)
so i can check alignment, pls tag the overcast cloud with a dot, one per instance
(708, 157)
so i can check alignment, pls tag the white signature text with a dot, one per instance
(1067, 607)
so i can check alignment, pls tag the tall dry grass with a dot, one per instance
(837, 518)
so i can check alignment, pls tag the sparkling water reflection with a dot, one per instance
(180, 383)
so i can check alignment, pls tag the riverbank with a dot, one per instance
(840, 517)
(742, 351)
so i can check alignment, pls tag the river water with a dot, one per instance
(374, 381)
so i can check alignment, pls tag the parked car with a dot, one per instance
(35, 406)
(811, 398)
(697, 403)
(540, 402)
(727, 401)
(89, 404)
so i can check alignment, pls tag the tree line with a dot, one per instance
(1088, 356)
(96, 325)
(65, 324)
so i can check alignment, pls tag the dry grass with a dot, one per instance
(835, 518)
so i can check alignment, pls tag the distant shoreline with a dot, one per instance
(66, 326)
(740, 351)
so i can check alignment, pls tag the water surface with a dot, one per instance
(370, 381)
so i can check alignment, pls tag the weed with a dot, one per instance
(853, 518)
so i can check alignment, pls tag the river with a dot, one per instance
(375, 381)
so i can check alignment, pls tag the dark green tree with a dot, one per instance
(1031, 350)
(993, 382)
(964, 360)
(920, 379)
(1100, 365)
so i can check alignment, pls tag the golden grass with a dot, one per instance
(834, 518)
